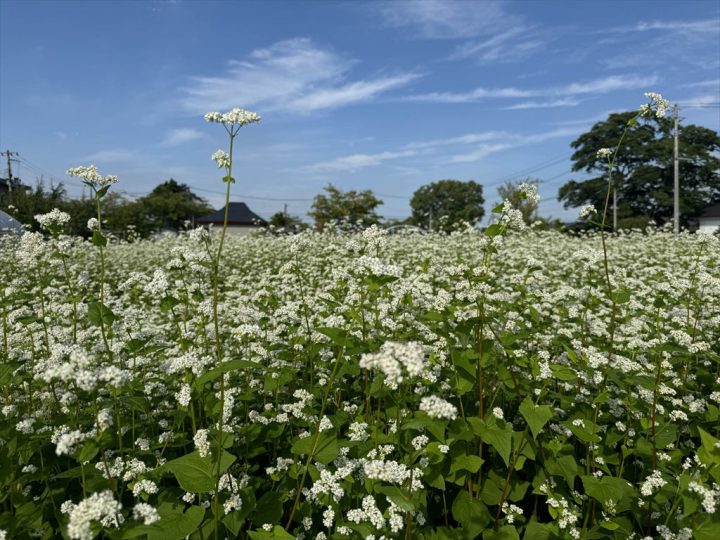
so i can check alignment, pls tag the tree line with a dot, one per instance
(643, 179)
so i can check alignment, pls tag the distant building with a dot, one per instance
(709, 220)
(241, 220)
(9, 225)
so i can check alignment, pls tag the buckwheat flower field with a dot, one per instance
(501, 384)
(375, 386)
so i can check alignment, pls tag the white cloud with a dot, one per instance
(564, 102)
(597, 86)
(711, 25)
(447, 19)
(479, 153)
(180, 136)
(510, 45)
(490, 143)
(293, 75)
(110, 155)
(357, 161)
(701, 84)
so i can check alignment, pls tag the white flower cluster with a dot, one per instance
(658, 106)
(710, 496)
(604, 153)
(652, 483)
(498, 413)
(437, 407)
(392, 357)
(54, 218)
(100, 507)
(529, 192)
(392, 472)
(588, 211)
(234, 117)
(202, 445)
(369, 512)
(91, 176)
(222, 159)
(145, 513)
(511, 511)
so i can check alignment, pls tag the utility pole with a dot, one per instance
(676, 166)
(285, 210)
(9, 155)
(430, 221)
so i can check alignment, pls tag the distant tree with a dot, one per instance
(171, 204)
(350, 208)
(286, 222)
(509, 191)
(643, 173)
(27, 203)
(447, 202)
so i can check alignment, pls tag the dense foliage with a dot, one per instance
(347, 209)
(643, 172)
(437, 387)
(169, 206)
(443, 205)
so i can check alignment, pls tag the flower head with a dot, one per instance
(604, 153)
(235, 117)
(658, 106)
(222, 159)
(91, 176)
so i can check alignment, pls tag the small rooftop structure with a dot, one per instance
(241, 219)
(9, 225)
(709, 220)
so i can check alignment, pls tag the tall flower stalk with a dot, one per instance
(99, 313)
(232, 121)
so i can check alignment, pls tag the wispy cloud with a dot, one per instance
(711, 25)
(489, 33)
(564, 102)
(176, 137)
(294, 75)
(597, 86)
(447, 19)
(466, 148)
(110, 155)
(701, 84)
(354, 162)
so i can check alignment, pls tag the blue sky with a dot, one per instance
(385, 96)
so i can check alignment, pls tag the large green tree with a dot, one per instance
(443, 204)
(347, 209)
(171, 204)
(643, 173)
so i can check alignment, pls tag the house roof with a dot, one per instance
(9, 224)
(712, 211)
(238, 214)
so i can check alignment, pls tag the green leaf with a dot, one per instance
(466, 462)
(173, 524)
(228, 179)
(198, 474)
(99, 313)
(506, 532)
(98, 239)
(88, 451)
(607, 488)
(269, 508)
(708, 530)
(494, 230)
(338, 335)
(398, 496)
(471, 513)
(621, 296)
(225, 367)
(536, 531)
(324, 451)
(535, 415)
(100, 193)
(278, 533)
(498, 209)
(498, 434)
